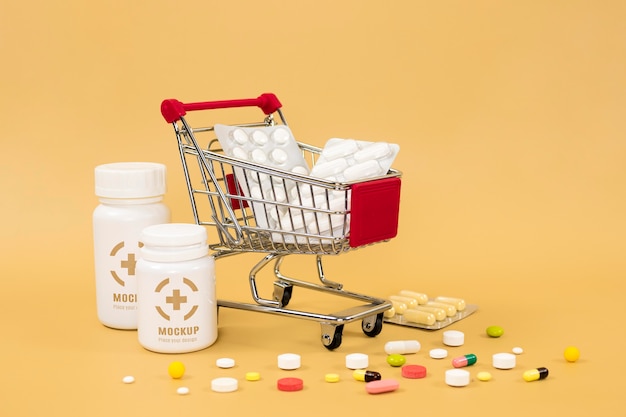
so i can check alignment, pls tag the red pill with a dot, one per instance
(290, 384)
(413, 371)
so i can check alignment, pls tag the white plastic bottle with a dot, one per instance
(176, 286)
(130, 195)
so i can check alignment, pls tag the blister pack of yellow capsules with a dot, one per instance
(415, 309)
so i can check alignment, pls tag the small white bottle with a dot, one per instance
(176, 286)
(130, 195)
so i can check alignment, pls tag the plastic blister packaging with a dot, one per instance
(271, 146)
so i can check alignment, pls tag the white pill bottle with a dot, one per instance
(130, 195)
(176, 286)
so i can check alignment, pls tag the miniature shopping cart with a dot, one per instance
(220, 201)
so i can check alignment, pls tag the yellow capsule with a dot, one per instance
(389, 313)
(410, 302)
(450, 309)
(399, 307)
(420, 297)
(440, 313)
(420, 317)
(535, 374)
(458, 303)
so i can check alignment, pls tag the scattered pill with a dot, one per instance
(413, 371)
(396, 359)
(571, 354)
(289, 361)
(495, 331)
(176, 369)
(224, 384)
(225, 363)
(420, 297)
(381, 386)
(503, 361)
(357, 361)
(366, 376)
(253, 376)
(463, 361)
(290, 384)
(535, 374)
(517, 350)
(410, 302)
(182, 390)
(402, 347)
(453, 338)
(331, 377)
(483, 376)
(458, 303)
(457, 377)
(438, 353)
(419, 317)
(129, 379)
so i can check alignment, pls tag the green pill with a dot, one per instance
(395, 359)
(495, 331)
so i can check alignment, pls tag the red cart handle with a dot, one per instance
(172, 109)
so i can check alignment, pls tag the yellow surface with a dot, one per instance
(511, 122)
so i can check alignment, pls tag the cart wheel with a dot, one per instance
(334, 341)
(282, 292)
(373, 325)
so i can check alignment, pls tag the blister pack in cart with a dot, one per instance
(255, 185)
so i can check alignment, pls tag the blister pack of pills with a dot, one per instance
(415, 309)
(345, 160)
(271, 146)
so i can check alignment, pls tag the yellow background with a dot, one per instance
(511, 121)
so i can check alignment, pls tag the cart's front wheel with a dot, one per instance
(332, 339)
(373, 325)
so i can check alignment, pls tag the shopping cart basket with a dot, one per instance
(217, 189)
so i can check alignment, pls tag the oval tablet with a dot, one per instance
(494, 331)
(381, 386)
(129, 379)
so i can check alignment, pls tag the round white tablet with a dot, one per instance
(225, 363)
(289, 361)
(224, 384)
(457, 377)
(438, 353)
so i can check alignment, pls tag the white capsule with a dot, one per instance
(377, 150)
(366, 169)
(339, 149)
(402, 347)
(326, 169)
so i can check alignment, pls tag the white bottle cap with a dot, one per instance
(357, 361)
(224, 384)
(173, 242)
(289, 361)
(130, 180)
(457, 377)
(503, 361)
(453, 338)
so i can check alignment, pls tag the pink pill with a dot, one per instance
(380, 386)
